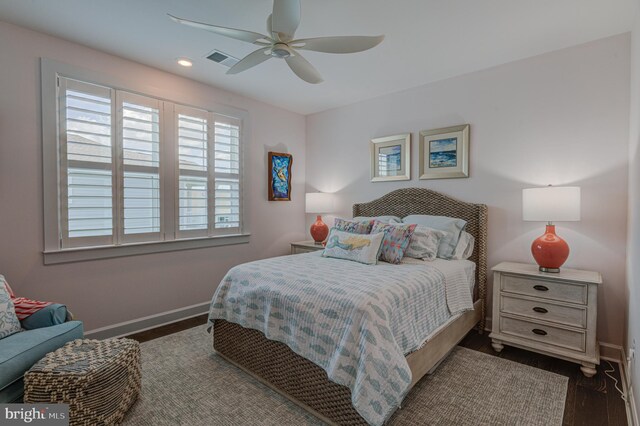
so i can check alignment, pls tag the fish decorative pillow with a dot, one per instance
(362, 248)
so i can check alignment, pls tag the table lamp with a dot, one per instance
(319, 203)
(551, 204)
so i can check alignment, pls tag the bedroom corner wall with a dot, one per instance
(560, 118)
(106, 292)
(633, 233)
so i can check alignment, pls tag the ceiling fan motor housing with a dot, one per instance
(280, 50)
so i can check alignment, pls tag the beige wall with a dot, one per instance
(107, 292)
(559, 118)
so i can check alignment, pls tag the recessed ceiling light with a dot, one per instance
(185, 62)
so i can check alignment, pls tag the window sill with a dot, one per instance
(107, 252)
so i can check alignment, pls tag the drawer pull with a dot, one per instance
(540, 310)
(539, 332)
(541, 288)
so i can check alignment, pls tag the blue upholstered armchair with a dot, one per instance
(44, 332)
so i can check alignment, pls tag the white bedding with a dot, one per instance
(355, 321)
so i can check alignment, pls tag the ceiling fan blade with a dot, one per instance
(241, 35)
(285, 18)
(340, 44)
(303, 69)
(249, 61)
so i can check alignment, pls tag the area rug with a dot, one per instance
(185, 383)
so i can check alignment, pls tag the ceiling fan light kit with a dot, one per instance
(282, 25)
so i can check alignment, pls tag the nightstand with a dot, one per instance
(549, 313)
(305, 247)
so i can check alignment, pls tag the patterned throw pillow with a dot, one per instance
(451, 225)
(353, 226)
(395, 242)
(9, 322)
(356, 247)
(424, 243)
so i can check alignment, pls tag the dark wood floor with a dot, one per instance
(593, 401)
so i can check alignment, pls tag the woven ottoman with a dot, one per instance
(99, 379)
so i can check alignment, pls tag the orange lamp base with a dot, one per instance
(550, 251)
(319, 230)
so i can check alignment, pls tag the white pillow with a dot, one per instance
(424, 243)
(451, 225)
(362, 248)
(383, 219)
(9, 322)
(464, 249)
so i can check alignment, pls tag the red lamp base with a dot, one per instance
(319, 230)
(550, 251)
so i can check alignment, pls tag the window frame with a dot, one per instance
(170, 239)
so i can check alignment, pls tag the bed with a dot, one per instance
(305, 382)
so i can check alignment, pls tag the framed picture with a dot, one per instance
(444, 153)
(280, 176)
(391, 158)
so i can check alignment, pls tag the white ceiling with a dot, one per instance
(426, 40)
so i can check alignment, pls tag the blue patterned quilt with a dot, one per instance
(355, 321)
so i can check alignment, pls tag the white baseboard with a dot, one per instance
(632, 413)
(148, 322)
(613, 353)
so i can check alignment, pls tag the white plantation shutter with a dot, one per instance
(226, 174)
(132, 169)
(87, 164)
(193, 171)
(139, 173)
(209, 184)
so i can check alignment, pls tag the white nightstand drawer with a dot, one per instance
(536, 309)
(530, 330)
(546, 289)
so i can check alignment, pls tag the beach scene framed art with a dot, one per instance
(444, 153)
(391, 158)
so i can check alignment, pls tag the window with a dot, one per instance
(135, 169)
(208, 172)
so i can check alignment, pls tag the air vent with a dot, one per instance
(222, 58)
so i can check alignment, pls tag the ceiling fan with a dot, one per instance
(280, 43)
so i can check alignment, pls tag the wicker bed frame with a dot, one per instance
(306, 384)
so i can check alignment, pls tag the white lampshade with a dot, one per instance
(319, 202)
(551, 204)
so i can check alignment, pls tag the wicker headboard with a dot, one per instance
(403, 202)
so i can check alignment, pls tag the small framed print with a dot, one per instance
(444, 153)
(391, 158)
(280, 176)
